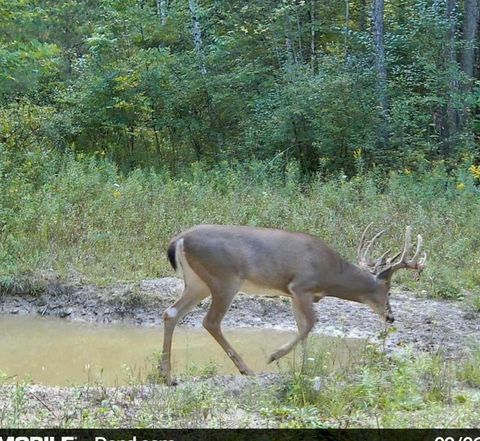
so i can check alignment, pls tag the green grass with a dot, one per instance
(83, 219)
(408, 390)
(469, 370)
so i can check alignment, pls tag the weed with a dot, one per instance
(469, 370)
(154, 374)
(373, 385)
(475, 302)
(209, 369)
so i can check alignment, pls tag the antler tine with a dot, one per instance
(384, 255)
(421, 263)
(419, 266)
(391, 259)
(382, 260)
(362, 241)
(370, 245)
(414, 262)
(419, 247)
(406, 249)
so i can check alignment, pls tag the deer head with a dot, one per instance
(383, 267)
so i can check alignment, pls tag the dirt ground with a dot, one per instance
(421, 323)
(147, 405)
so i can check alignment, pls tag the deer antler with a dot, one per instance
(364, 251)
(415, 262)
(388, 263)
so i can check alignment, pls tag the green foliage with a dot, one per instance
(117, 79)
(469, 370)
(84, 216)
(11, 415)
(372, 385)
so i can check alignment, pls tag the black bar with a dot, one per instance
(239, 434)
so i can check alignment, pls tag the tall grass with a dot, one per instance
(84, 217)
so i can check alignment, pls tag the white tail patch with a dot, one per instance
(191, 278)
(180, 257)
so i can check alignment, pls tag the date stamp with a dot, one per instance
(457, 438)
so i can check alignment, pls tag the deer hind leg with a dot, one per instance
(195, 291)
(221, 300)
(302, 303)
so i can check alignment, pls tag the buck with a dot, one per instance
(217, 260)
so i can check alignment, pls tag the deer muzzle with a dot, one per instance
(388, 315)
(389, 318)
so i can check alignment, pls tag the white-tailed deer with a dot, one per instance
(217, 260)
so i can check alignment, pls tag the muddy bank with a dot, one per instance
(424, 324)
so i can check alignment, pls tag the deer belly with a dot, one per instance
(249, 287)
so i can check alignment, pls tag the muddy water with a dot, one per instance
(56, 352)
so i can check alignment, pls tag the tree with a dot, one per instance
(470, 29)
(165, 83)
(380, 64)
(197, 34)
(162, 6)
(452, 115)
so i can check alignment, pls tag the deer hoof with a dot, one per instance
(169, 381)
(172, 382)
(164, 373)
(247, 372)
(271, 359)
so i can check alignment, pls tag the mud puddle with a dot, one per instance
(421, 323)
(55, 352)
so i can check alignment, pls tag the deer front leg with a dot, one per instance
(221, 300)
(302, 303)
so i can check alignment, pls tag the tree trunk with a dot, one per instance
(362, 21)
(451, 60)
(382, 97)
(312, 35)
(299, 35)
(470, 28)
(289, 48)
(162, 6)
(197, 34)
(347, 28)
(291, 55)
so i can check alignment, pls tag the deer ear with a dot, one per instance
(385, 275)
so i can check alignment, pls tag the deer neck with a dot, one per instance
(353, 283)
